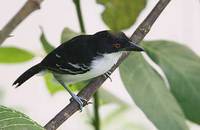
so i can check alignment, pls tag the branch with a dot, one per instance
(92, 87)
(29, 7)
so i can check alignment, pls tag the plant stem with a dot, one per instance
(96, 122)
(96, 111)
(79, 14)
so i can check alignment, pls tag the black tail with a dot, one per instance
(27, 74)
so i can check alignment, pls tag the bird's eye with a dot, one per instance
(116, 45)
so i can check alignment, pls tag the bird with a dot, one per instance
(81, 58)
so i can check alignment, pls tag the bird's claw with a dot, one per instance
(81, 101)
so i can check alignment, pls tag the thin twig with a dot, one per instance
(92, 87)
(29, 7)
(79, 14)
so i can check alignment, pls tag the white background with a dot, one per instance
(179, 22)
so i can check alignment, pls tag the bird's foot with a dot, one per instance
(107, 75)
(81, 101)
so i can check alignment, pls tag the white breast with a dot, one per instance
(102, 65)
(99, 66)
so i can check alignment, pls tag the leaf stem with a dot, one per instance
(96, 111)
(79, 14)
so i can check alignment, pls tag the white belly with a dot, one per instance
(98, 67)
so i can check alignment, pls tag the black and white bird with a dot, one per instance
(82, 58)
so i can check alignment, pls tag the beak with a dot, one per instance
(134, 47)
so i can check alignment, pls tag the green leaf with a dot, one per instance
(149, 92)
(121, 14)
(182, 68)
(53, 86)
(14, 55)
(45, 43)
(14, 120)
(68, 34)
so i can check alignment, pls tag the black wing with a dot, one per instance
(72, 57)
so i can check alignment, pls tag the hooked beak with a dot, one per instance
(134, 47)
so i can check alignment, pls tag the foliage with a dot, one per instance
(67, 34)
(121, 14)
(166, 108)
(45, 43)
(14, 55)
(52, 85)
(14, 120)
(149, 92)
(182, 68)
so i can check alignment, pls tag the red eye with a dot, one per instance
(116, 45)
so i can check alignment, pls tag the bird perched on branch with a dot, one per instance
(81, 58)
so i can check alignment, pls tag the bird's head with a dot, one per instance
(110, 42)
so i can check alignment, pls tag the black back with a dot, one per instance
(75, 55)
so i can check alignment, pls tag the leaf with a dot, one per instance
(68, 34)
(121, 14)
(182, 68)
(150, 94)
(45, 44)
(14, 55)
(14, 120)
(53, 86)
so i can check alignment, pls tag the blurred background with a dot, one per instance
(179, 22)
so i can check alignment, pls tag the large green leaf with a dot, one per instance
(182, 68)
(14, 120)
(149, 92)
(121, 14)
(14, 55)
(45, 43)
(67, 34)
